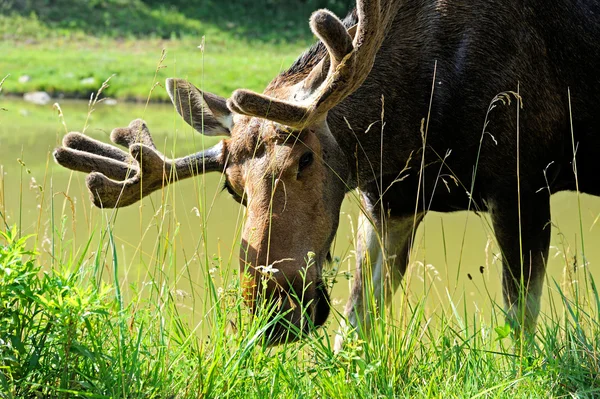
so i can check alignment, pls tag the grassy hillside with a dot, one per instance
(68, 48)
(76, 68)
(249, 20)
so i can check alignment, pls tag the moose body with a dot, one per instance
(497, 98)
(543, 49)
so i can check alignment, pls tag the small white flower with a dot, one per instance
(181, 294)
(269, 269)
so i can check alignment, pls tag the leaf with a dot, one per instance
(503, 331)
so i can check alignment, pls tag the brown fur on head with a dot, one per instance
(293, 181)
(282, 181)
(289, 181)
(291, 177)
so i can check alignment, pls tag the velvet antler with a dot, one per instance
(351, 55)
(117, 178)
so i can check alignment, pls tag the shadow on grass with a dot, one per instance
(262, 20)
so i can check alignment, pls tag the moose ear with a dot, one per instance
(205, 112)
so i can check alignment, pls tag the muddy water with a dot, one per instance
(199, 225)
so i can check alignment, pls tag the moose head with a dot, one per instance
(279, 157)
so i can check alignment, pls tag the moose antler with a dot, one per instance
(351, 55)
(117, 178)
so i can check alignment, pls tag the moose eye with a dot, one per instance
(233, 193)
(305, 161)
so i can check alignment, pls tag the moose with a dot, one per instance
(389, 100)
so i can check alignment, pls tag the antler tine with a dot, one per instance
(338, 42)
(82, 161)
(332, 32)
(374, 23)
(253, 104)
(81, 142)
(107, 193)
(351, 55)
(136, 132)
(153, 172)
(84, 154)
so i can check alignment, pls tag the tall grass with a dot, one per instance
(69, 332)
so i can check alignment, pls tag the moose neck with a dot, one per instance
(381, 125)
(434, 51)
(368, 124)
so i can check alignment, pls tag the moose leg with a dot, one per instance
(524, 245)
(382, 257)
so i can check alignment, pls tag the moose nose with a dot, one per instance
(288, 312)
(292, 320)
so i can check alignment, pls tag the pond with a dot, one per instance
(198, 224)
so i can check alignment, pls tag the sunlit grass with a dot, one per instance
(73, 58)
(77, 69)
(67, 331)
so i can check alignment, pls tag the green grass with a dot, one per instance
(68, 48)
(247, 20)
(71, 331)
(60, 67)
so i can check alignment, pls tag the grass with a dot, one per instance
(69, 331)
(68, 48)
(76, 69)
(246, 20)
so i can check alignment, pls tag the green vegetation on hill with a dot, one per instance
(68, 48)
(78, 68)
(264, 20)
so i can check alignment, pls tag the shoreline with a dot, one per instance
(81, 97)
